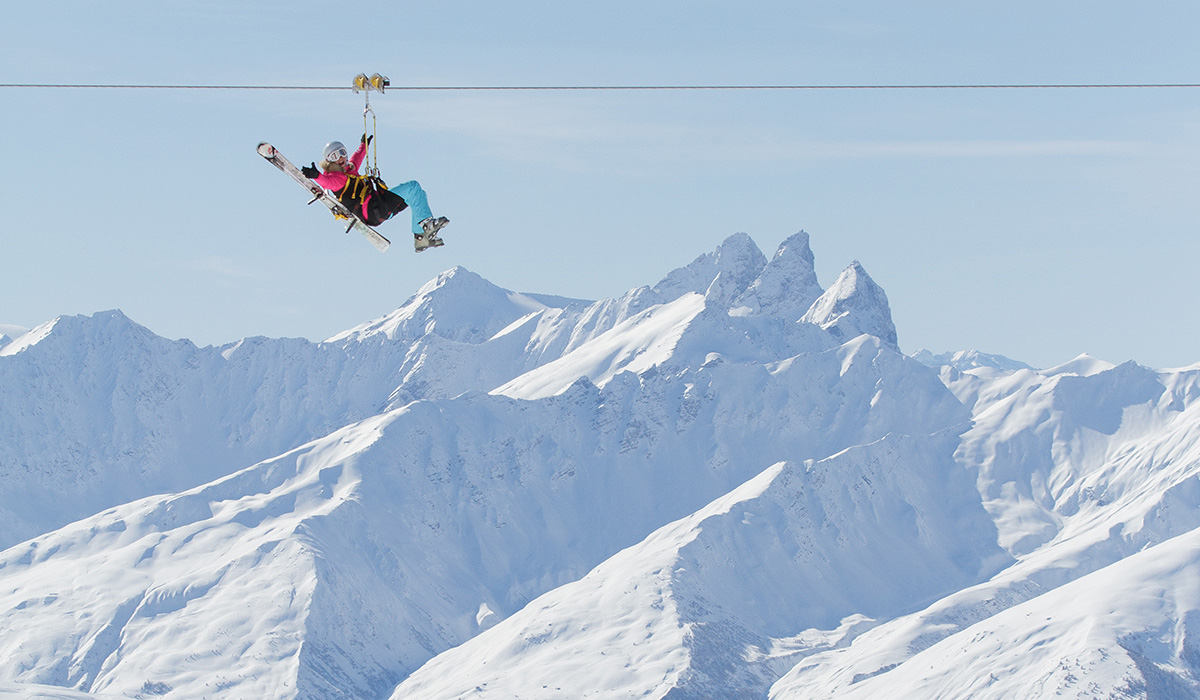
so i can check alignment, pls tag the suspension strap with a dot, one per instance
(372, 159)
(366, 85)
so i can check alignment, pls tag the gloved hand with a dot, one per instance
(310, 171)
(366, 139)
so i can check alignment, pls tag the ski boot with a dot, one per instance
(428, 237)
(430, 226)
(422, 243)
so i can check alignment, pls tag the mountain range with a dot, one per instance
(730, 484)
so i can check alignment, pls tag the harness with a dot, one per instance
(356, 190)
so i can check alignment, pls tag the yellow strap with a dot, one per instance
(359, 186)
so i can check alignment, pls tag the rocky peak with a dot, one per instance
(854, 305)
(787, 286)
(721, 275)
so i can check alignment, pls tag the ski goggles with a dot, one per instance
(336, 155)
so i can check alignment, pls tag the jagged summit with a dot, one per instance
(720, 275)
(787, 286)
(462, 306)
(738, 277)
(854, 305)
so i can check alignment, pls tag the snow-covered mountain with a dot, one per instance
(728, 484)
(968, 359)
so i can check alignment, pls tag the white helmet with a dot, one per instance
(333, 151)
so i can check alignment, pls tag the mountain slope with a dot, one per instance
(1126, 631)
(1069, 500)
(872, 530)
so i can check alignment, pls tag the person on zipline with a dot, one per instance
(368, 197)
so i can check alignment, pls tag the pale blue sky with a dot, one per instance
(1035, 224)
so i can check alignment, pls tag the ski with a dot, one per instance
(339, 210)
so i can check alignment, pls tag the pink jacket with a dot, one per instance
(335, 181)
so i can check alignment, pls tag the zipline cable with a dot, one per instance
(176, 87)
(980, 86)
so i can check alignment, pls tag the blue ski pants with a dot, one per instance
(385, 204)
(415, 196)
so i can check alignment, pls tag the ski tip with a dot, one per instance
(266, 150)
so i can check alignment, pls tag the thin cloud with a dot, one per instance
(943, 149)
(574, 138)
